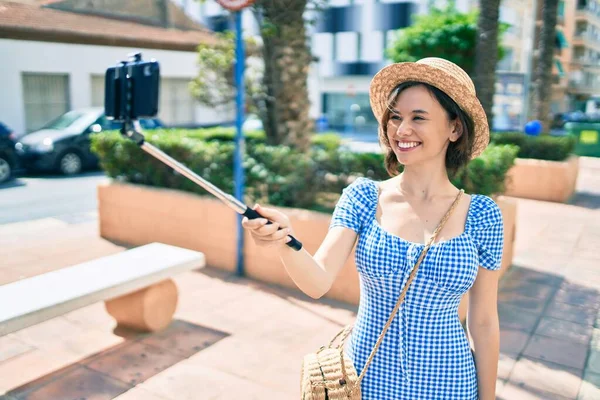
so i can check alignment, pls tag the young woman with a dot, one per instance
(431, 123)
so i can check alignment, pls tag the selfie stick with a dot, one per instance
(133, 130)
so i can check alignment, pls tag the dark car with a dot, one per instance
(64, 144)
(8, 157)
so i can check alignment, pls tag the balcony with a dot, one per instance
(585, 63)
(587, 15)
(584, 78)
(582, 88)
(586, 39)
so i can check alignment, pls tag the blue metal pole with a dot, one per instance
(239, 137)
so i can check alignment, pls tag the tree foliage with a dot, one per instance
(277, 66)
(445, 33)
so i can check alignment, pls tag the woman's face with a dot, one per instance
(418, 128)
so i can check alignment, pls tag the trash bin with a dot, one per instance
(588, 137)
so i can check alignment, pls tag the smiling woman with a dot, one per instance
(415, 259)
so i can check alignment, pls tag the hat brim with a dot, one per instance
(391, 76)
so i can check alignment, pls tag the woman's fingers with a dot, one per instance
(253, 223)
(264, 234)
(266, 230)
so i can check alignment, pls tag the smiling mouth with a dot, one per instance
(407, 146)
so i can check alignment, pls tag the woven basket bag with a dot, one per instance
(329, 374)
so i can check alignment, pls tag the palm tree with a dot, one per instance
(287, 57)
(542, 90)
(486, 56)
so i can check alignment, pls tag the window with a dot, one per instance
(97, 90)
(506, 63)
(345, 112)
(45, 97)
(176, 105)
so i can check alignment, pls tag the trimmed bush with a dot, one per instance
(276, 175)
(545, 147)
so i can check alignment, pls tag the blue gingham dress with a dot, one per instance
(425, 354)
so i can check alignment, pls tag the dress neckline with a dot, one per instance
(375, 187)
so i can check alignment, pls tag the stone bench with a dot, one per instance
(135, 286)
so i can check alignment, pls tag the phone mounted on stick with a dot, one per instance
(132, 92)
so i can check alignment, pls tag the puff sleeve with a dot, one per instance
(487, 230)
(355, 204)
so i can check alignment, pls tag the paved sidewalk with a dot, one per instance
(236, 338)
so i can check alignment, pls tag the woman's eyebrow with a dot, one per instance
(417, 111)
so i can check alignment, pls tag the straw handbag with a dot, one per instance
(329, 374)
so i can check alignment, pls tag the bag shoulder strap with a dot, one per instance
(408, 282)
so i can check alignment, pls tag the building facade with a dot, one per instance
(54, 58)
(350, 38)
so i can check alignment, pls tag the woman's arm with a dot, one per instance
(314, 275)
(484, 328)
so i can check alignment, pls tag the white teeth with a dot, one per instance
(407, 145)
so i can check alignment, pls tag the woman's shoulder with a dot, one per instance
(483, 211)
(363, 188)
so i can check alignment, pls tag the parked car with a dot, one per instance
(8, 157)
(64, 144)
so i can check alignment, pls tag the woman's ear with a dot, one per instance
(457, 130)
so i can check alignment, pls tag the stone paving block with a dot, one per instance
(512, 342)
(511, 391)
(530, 304)
(578, 295)
(595, 341)
(567, 312)
(33, 364)
(515, 318)
(505, 366)
(78, 383)
(193, 381)
(137, 393)
(542, 379)
(593, 362)
(11, 346)
(183, 338)
(519, 274)
(529, 289)
(565, 330)
(568, 354)
(132, 362)
(590, 387)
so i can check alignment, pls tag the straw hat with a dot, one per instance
(444, 75)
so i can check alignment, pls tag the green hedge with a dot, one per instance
(326, 140)
(545, 147)
(275, 175)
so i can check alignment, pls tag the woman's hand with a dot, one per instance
(268, 235)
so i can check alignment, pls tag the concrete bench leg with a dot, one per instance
(150, 309)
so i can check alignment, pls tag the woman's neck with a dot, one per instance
(425, 181)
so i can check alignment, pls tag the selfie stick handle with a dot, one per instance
(133, 131)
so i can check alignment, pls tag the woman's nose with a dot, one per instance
(403, 129)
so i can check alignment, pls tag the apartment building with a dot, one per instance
(584, 76)
(350, 38)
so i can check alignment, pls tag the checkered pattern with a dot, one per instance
(425, 353)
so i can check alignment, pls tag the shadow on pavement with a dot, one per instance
(114, 371)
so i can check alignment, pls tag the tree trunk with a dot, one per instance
(542, 95)
(287, 59)
(486, 56)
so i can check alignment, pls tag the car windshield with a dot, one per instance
(72, 119)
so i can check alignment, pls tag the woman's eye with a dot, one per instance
(419, 118)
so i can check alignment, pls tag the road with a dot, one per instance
(41, 196)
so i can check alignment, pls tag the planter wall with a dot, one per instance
(543, 180)
(139, 215)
